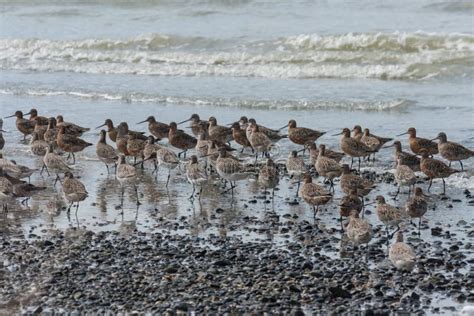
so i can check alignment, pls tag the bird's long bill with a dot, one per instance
(27, 113)
(3, 131)
(283, 127)
(10, 116)
(230, 124)
(434, 139)
(402, 134)
(141, 122)
(337, 134)
(100, 126)
(388, 146)
(369, 203)
(184, 121)
(301, 149)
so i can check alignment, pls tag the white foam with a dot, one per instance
(376, 105)
(382, 56)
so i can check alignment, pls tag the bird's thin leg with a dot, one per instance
(169, 175)
(462, 167)
(298, 187)
(136, 194)
(398, 191)
(431, 182)
(444, 186)
(192, 194)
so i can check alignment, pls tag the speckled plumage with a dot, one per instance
(402, 255)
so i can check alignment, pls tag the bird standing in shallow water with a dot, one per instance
(157, 129)
(314, 153)
(353, 147)
(70, 144)
(327, 167)
(105, 152)
(126, 174)
(435, 169)
(38, 146)
(197, 125)
(24, 126)
(302, 135)
(417, 206)
(74, 190)
(452, 151)
(401, 255)
(359, 230)
(54, 162)
(71, 128)
(180, 139)
(405, 158)
(230, 169)
(314, 194)
(349, 203)
(404, 176)
(268, 176)
(196, 175)
(418, 143)
(240, 136)
(389, 215)
(296, 168)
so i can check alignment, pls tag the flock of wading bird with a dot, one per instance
(52, 138)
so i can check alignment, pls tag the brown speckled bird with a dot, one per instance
(452, 151)
(418, 143)
(435, 169)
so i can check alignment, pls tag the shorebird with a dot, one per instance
(70, 144)
(374, 142)
(417, 143)
(359, 230)
(157, 129)
(36, 119)
(167, 159)
(26, 191)
(401, 255)
(327, 167)
(111, 130)
(435, 169)
(302, 135)
(240, 136)
(18, 171)
(314, 153)
(217, 132)
(26, 127)
(38, 146)
(54, 162)
(259, 142)
(313, 194)
(295, 167)
(357, 132)
(405, 158)
(139, 135)
(350, 182)
(2, 140)
(180, 139)
(197, 125)
(105, 152)
(196, 175)
(51, 132)
(149, 152)
(452, 151)
(274, 135)
(121, 139)
(389, 215)
(230, 169)
(40, 130)
(353, 147)
(350, 202)
(417, 206)
(74, 191)
(202, 145)
(268, 176)
(6, 191)
(71, 128)
(126, 174)
(135, 147)
(404, 176)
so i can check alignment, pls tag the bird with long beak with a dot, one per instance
(197, 125)
(452, 151)
(302, 135)
(418, 143)
(157, 129)
(111, 130)
(24, 126)
(353, 147)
